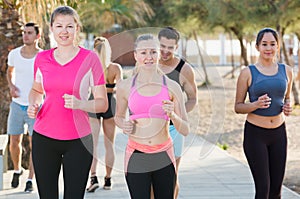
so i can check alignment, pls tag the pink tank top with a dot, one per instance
(147, 106)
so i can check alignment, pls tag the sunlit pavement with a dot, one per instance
(206, 172)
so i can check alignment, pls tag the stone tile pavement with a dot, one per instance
(206, 172)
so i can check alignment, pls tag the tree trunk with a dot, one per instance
(232, 56)
(202, 59)
(287, 61)
(239, 36)
(10, 37)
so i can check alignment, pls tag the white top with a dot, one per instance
(22, 76)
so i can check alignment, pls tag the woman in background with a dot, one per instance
(113, 73)
(268, 84)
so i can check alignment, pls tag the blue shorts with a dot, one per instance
(17, 117)
(178, 141)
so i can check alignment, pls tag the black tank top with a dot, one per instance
(174, 75)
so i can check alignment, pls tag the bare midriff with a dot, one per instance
(150, 131)
(266, 121)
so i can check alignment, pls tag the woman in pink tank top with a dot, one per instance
(152, 100)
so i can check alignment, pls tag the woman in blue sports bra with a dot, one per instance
(152, 100)
(268, 84)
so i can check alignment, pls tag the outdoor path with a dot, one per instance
(206, 172)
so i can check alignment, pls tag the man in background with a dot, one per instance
(181, 72)
(20, 78)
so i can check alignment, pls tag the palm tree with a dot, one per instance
(10, 37)
(108, 17)
(39, 11)
(99, 16)
(13, 14)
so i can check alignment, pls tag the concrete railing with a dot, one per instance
(3, 157)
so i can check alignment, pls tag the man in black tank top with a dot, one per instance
(181, 72)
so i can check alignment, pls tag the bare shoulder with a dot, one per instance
(245, 72)
(288, 68)
(114, 67)
(187, 70)
(124, 84)
(173, 86)
(289, 71)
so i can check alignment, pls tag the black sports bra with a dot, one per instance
(111, 85)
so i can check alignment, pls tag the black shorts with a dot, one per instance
(111, 108)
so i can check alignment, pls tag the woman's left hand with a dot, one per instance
(287, 108)
(168, 107)
(71, 102)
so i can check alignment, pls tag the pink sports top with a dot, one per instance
(74, 78)
(147, 106)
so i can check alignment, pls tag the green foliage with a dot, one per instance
(98, 16)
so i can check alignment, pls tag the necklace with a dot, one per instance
(267, 70)
(273, 65)
(63, 58)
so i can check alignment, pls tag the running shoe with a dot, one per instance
(28, 187)
(93, 185)
(107, 183)
(15, 180)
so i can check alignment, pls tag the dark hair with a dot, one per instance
(65, 10)
(34, 25)
(169, 33)
(143, 37)
(262, 32)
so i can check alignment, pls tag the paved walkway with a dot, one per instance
(206, 172)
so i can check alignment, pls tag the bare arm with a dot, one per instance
(13, 90)
(35, 99)
(287, 108)
(114, 75)
(190, 87)
(121, 108)
(241, 92)
(119, 73)
(97, 105)
(177, 113)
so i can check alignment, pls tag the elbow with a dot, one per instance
(118, 121)
(101, 107)
(237, 110)
(185, 131)
(105, 107)
(194, 102)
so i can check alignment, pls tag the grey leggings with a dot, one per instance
(266, 151)
(75, 157)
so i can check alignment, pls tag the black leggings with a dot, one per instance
(266, 151)
(143, 171)
(75, 156)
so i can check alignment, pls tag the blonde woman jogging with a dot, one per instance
(152, 100)
(113, 73)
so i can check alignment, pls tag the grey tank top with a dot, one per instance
(273, 85)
